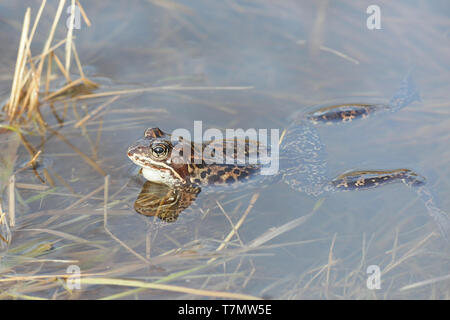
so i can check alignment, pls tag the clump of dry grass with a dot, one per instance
(29, 76)
(30, 93)
(30, 89)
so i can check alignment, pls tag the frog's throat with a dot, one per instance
(162, 173)
(150, 166)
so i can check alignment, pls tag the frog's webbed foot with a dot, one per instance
(164, 202)
(303, 163)
(406, 94)
(441, 217)
(361, 180)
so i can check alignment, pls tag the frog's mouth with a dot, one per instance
(135, 153)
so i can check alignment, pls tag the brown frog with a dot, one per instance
(174, 163)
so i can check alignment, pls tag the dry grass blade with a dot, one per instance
(166, 287)
(236, 227)
(333, 51)
(330, 263)
(105, 223)
(86, 197)
(280, 141)
(24, 296)
(32, 162)
(105, 201)
(49, 276)
(12, 201)
(83, 14)
(123, 244)
(339, 54)
(69, 36)
(412, 252)
(96, 111)
(425, 283)
(240, 222)
(51, 34)
(77, 60)
(64, 235)
(91, 162)
(48, 52)
(157, 89)
(30, 186)
(31, 150)
(19, 70)
(318, 28)
(171, 5)
(275, 232)
(5, 232)
(36, 21)
(66, 75)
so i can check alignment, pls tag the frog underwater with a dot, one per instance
(173, 184)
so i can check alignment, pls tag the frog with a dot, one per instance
(174, 181)
(172, 184)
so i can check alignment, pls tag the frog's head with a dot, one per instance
(154, 149)
(154, 154)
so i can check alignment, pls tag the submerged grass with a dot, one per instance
(24, 113)
(62, 218)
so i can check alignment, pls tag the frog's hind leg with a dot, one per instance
(440, 217)
(366, 179)
(347, 112)
(360, 180)
(303, 158)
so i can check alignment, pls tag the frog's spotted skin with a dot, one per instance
(221, 174)
(359, 180)
(343, 112)
(171, 168)
(302, 162)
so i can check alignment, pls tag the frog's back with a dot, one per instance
(227, 162)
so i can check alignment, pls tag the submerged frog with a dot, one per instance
(185, 168)
(173, 184)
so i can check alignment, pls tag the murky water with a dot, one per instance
(262, 62)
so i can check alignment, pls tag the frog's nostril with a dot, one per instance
(131, 150)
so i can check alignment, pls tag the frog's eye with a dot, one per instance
(159, 150)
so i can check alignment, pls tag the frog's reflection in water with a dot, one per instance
(163, 201)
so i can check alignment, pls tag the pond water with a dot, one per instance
(238, 64)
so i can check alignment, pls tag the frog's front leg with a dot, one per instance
(406, 94)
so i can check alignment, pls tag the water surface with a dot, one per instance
(283, 57)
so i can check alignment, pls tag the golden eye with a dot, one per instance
(159, 150)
